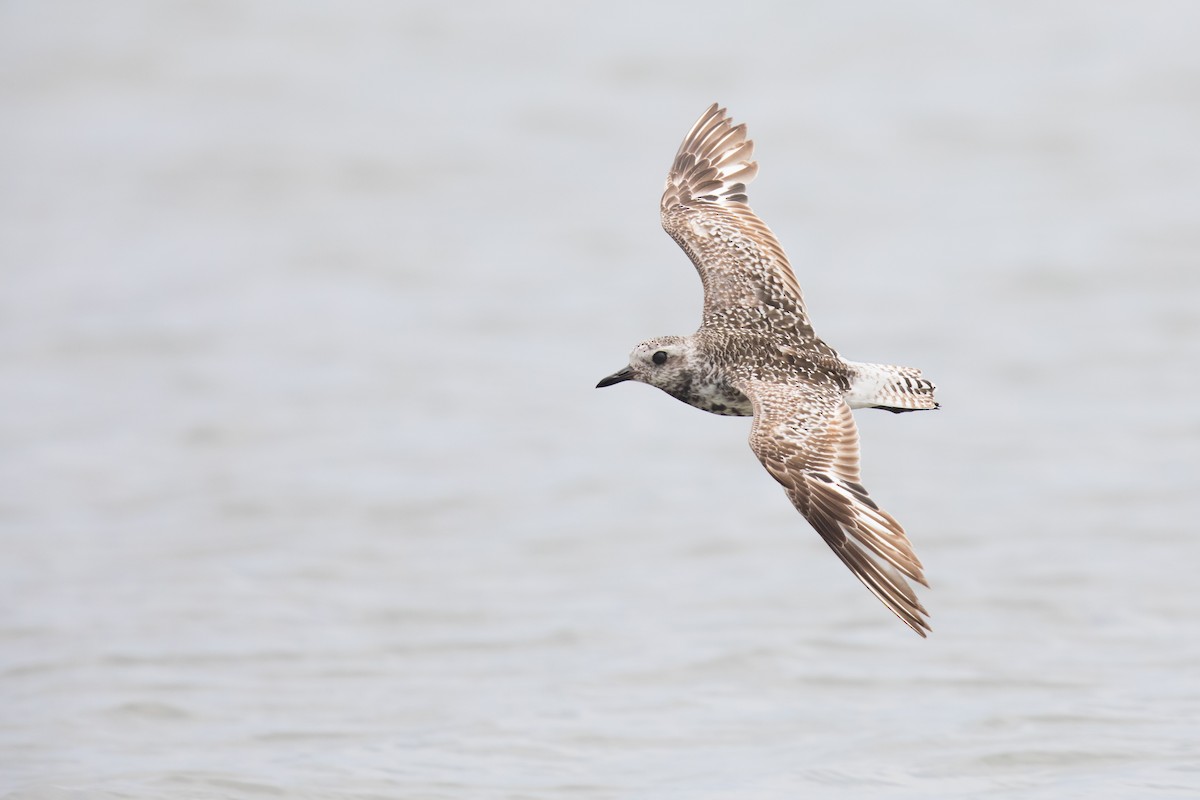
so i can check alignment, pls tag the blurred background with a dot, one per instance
(305, 490)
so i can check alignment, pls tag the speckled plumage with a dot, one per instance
(756, 354)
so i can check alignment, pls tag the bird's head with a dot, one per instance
(662, 362)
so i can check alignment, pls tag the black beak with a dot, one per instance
(617, 377)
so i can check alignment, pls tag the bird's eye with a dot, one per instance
(660, 357)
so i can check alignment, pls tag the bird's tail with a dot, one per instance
(889, 387)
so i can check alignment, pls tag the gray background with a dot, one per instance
(305, 490)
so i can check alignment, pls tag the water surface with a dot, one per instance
(305, 490)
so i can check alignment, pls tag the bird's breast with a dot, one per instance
(716, 398)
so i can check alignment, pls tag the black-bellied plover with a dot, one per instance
(756, 354)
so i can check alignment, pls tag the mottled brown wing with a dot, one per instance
(746, 276)
(806, 438)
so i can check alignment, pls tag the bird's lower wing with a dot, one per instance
(806, 438)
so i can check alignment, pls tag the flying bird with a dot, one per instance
(756, 354)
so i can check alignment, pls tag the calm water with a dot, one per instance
(305, 490)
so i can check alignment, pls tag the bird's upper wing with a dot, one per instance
(746, 276)
(806, 438)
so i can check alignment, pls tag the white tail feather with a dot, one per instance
(890, 387)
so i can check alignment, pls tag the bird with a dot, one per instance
(755, 354)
